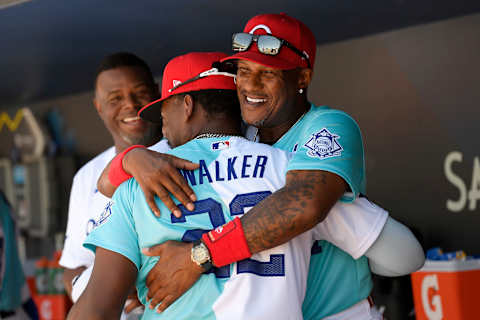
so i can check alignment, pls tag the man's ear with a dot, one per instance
(188, 105)
(97, 105)
(304, 78)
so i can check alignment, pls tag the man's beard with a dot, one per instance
(259, 123)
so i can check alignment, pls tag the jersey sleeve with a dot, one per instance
(73, 254)
(331, 141)
(115, 227)
(352, 227)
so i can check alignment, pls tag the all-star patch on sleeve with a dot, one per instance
(331, 140)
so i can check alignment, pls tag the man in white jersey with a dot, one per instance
(274, 71)
(123, 84)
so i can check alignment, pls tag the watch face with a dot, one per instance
(200, 254)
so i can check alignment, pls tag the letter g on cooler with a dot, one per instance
(432, 304)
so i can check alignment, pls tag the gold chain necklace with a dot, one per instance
(214, 135)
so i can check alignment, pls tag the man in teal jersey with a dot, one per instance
(323, 139)
(274, 71)
(327, 144)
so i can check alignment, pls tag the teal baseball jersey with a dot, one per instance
(234, 175)
(330, 140)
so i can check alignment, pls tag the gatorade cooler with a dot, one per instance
(50, 298)
(52, 306)
(447, 290)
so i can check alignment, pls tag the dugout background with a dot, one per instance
(415, 94)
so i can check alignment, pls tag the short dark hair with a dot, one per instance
(217, 102)
(123, 59)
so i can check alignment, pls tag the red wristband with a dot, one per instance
(227, 244)
(117, 175)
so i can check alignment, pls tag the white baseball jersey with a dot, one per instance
(234, 175)
(86, 203)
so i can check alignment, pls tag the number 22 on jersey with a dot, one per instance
(273, 268)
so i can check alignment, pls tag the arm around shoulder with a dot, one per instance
(303, 202)
(157, 174)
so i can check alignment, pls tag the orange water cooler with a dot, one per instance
(447, 290)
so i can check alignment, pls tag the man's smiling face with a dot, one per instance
(119, 94)
(265, 93)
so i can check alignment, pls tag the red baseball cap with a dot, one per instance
(190, 72)
(284, 27)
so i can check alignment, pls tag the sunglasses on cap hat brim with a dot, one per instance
(266, 44)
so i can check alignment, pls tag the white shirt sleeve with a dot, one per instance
(396, 252)
(352, 227)
(73, 254)
(86, 203)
